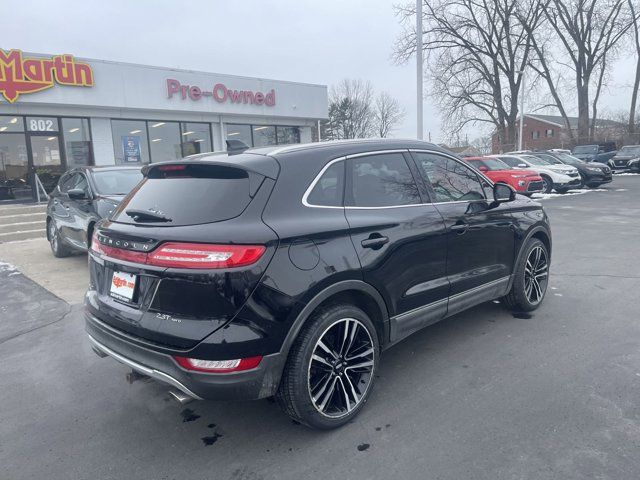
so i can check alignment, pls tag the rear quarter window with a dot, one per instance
(187, 194)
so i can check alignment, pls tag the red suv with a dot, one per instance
(524, 181)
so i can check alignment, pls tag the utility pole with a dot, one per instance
(419, 71)
(520, 143)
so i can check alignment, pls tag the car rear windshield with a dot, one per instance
(188, 194)
(116, 182)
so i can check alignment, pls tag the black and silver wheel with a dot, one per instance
(547, 184)
(531, 278)
(58, 249)
(331, 368)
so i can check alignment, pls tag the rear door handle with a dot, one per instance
(375, 241)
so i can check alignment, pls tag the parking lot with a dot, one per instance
(485, 395)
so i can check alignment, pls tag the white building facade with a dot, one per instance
(58, 112)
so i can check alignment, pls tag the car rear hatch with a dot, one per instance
(184, 250)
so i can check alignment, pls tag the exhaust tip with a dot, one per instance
(181, 397)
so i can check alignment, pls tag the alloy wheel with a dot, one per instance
(341, 368)
(545, 185)
(53, 235)
(536, 275)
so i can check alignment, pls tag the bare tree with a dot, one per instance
(351, 113)
(582, 36)
(635, 22)
(388, 114)
(476, 52)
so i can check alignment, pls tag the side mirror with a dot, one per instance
(483, 169)
(77, 194)
(503, 193)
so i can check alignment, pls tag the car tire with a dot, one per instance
(320, 387)
(593, 185)
(526, 294)
(547, 184)
(58, 249)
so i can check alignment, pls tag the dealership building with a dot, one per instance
(58, 112)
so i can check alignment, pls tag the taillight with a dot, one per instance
(218, 366)
(186, 255)
(119, 253)
(198, 255)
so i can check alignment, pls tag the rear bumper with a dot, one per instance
(259, 382)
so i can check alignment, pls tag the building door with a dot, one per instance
(45, 155)
(14, 160)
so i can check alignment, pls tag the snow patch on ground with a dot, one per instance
(628, 174)
(546, 196)
(7, 267)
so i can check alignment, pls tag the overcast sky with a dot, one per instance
(319, 41)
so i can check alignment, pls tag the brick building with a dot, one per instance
(542, 132)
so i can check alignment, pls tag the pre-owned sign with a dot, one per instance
(22, 75)
(220, 93)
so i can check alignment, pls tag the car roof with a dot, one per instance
(261, 159)
(340, 146)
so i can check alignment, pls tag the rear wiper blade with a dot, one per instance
(147, 216)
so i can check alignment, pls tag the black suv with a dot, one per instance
(286, 271)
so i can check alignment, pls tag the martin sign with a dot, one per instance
(220, 93)
(21, 75)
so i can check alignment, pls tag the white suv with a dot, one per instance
(560, 178)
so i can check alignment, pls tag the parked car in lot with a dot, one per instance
(595, 153)
(82, 197)
(593, 174)
(624, 159)
(560, 178)
(525, 182)
(287, 270)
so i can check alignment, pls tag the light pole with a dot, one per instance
(419, 65)
(520, 143)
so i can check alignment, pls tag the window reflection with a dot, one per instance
(164, 139)
(196, 138)
(130, 143)
(77, 143)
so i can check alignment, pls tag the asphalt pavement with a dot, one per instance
(482, 395)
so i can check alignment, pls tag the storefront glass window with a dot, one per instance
(288, 135)
(164, 138)
(130, 142)
(264, 135)
(11, 123)
(196, 138)
(77, 142)
(239, 132)
(14, 179)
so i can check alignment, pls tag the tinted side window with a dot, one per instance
(382, 181)
(329, 189)
(451, 181)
